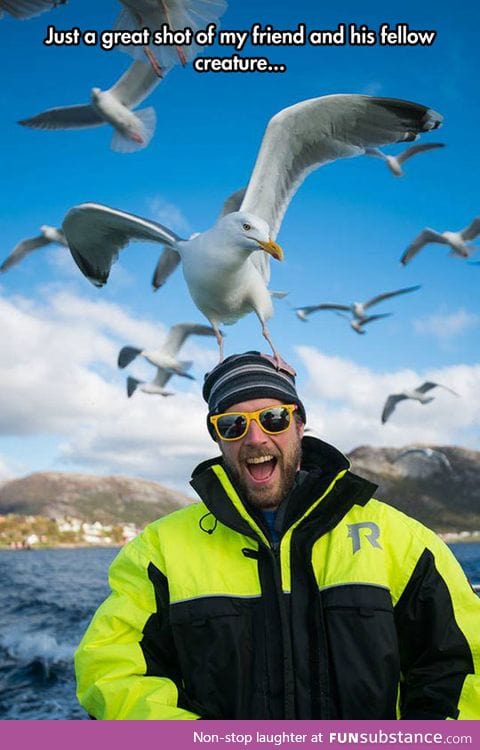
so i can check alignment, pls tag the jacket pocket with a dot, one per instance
(362, 641)
(214, 641)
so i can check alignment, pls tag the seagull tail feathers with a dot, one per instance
(147, 123)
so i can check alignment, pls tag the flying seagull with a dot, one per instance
(27, 8)
(456, 240)
(428, 453)
(357, 309)
(417, 394)
(132, 130)
(164, 359)
(46, 237)
(177, 15)
(394, 162)
(227, 268)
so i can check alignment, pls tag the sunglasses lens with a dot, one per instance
(275, 419)
(231, 426)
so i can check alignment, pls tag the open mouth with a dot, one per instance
(261, 468)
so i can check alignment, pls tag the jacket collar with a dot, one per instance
(323, 465)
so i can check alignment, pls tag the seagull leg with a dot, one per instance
(148, 52)
(266, 334)
(153, 62)
(181, 54)
(219, 337)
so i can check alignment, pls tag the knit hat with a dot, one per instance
(251, 375)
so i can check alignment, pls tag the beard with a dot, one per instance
(268, 497)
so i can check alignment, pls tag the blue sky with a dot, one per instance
(64, 405)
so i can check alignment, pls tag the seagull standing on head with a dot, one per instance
(227, 267)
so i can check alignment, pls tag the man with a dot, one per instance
(287, 592)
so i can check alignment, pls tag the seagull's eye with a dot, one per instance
(247, 227)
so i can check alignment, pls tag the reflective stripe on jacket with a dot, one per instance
(361, 612)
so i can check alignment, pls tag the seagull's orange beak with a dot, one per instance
(272, 249)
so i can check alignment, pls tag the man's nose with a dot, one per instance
(255, 433)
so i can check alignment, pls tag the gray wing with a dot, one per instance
(162, 377)
(375, 152)
(233, 203)
(178, 333)
(417, 149)
(21, 250)
(371, 318)
(390, 405)
(65, 118)
(166, 265)
(136, 84)
(27, 8)
(314, 132)
(96, 233)
(426, 235)
(386, 295)
(472, 230)
(313, 308)
(428, 385)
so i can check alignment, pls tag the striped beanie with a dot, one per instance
(247, 376)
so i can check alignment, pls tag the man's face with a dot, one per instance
(263, 483)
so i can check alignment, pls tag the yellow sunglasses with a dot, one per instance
(233, 425)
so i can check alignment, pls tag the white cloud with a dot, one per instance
(168, 214)
(344, 402)
(59, 377)
(447, 326)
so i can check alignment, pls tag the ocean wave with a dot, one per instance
(41, 648)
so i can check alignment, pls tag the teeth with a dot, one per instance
(259, 459)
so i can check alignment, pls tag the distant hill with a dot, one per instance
(90, 498)
(443, 493)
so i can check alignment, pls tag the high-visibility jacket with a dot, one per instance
(359, 612)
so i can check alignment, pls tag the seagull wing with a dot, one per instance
(390, 405)
(96, 233)
(314, 308)
(27, 8)
(428, 385)
(371, 318)
(65, 118)
(472, 230)
(162, 377)
(178, 333)
(417, 148)
(375, 152)
(136, 84)
(166, 265)
(311, 133)
(233, 203)
(386, 295)
(426, 235)
(22, 249)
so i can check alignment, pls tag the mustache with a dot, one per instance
(247, 453)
